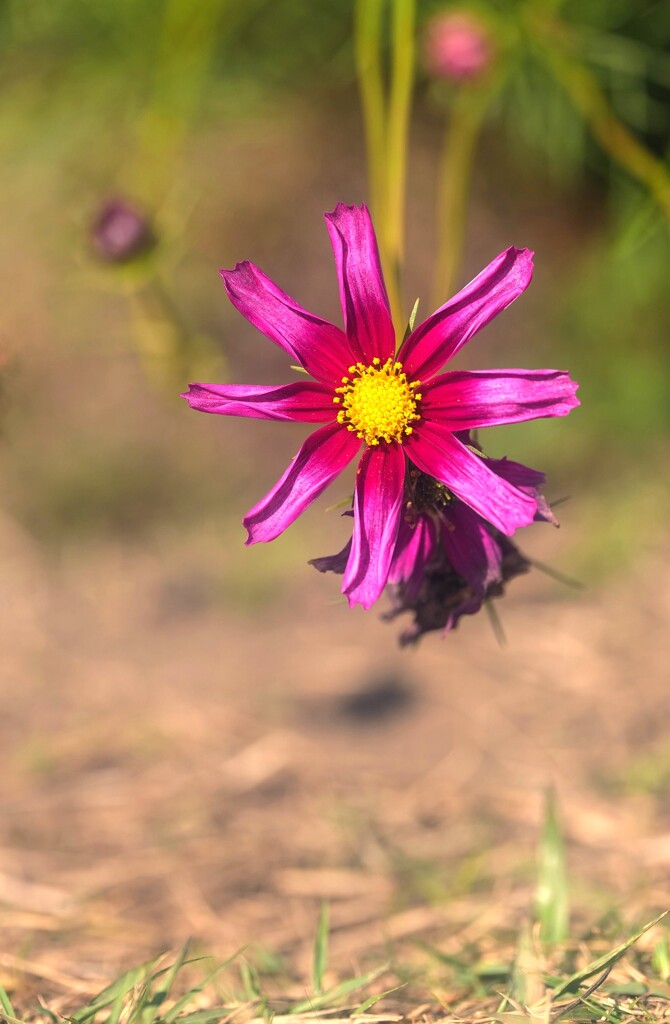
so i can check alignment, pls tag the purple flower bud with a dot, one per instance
(457, 46)
(119, 232)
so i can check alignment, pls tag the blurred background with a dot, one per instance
(200, 738)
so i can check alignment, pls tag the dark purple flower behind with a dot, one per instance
(444, 595)
(447, 560)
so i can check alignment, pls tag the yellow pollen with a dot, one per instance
(378, 402)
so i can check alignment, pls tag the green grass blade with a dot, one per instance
(171, 1016)
(6, 1003)
(345, 988)
(320, 957)
(371, 1001)
(122, 987)
(603, 962)
(551, 896)
(168, 978)
(250, 979)
(117, 1007)
(213, 1015)
(661, 958)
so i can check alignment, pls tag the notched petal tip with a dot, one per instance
(525, 262)
(249, 539)
(193, 391)
(359, 599)
(344, 209)
(242, 267)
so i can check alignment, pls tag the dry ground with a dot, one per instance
(175, 766)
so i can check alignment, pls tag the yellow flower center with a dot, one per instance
(378, 402)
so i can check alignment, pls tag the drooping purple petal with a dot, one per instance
(414, 547)
(302, 401)
(333, 563)
(528, 480)
(472, 550)
(322, 457)
(378, 503)
(365, 304)
(440, 337)
(466, 400)
(316, 344)
(435, 450)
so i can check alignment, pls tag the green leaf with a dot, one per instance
(320, 957)
(411, 321)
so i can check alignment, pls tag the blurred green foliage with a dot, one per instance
(128, 96)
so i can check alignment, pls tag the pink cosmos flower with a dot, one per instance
(397, 407)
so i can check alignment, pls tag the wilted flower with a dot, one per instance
(457, 46)
(447, 560)
(397, 406)
(120, 232)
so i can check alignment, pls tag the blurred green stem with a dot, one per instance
(183, 52)
(386, 124)
(400, 100)
(460, 141)
(614, 137)
(368, 33)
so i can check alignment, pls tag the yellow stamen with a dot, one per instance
(378, 402)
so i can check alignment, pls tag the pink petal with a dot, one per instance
(317, 345)
(322, 457)
(466, 400)
(435, 450)
(365, 304)
(302, 401)
(527, 480)
(414, 547)
(470, 547)
(378, 504)
(440, 337)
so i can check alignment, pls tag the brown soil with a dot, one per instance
(174, 766)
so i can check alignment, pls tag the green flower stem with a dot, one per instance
(161, 336)
(368, 32)
(614, 137)
(460, 140)
(400, 100)
(386, 125)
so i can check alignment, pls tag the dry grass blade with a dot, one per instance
(60, 978)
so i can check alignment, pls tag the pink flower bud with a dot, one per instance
(119, 232)
(457, 46)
